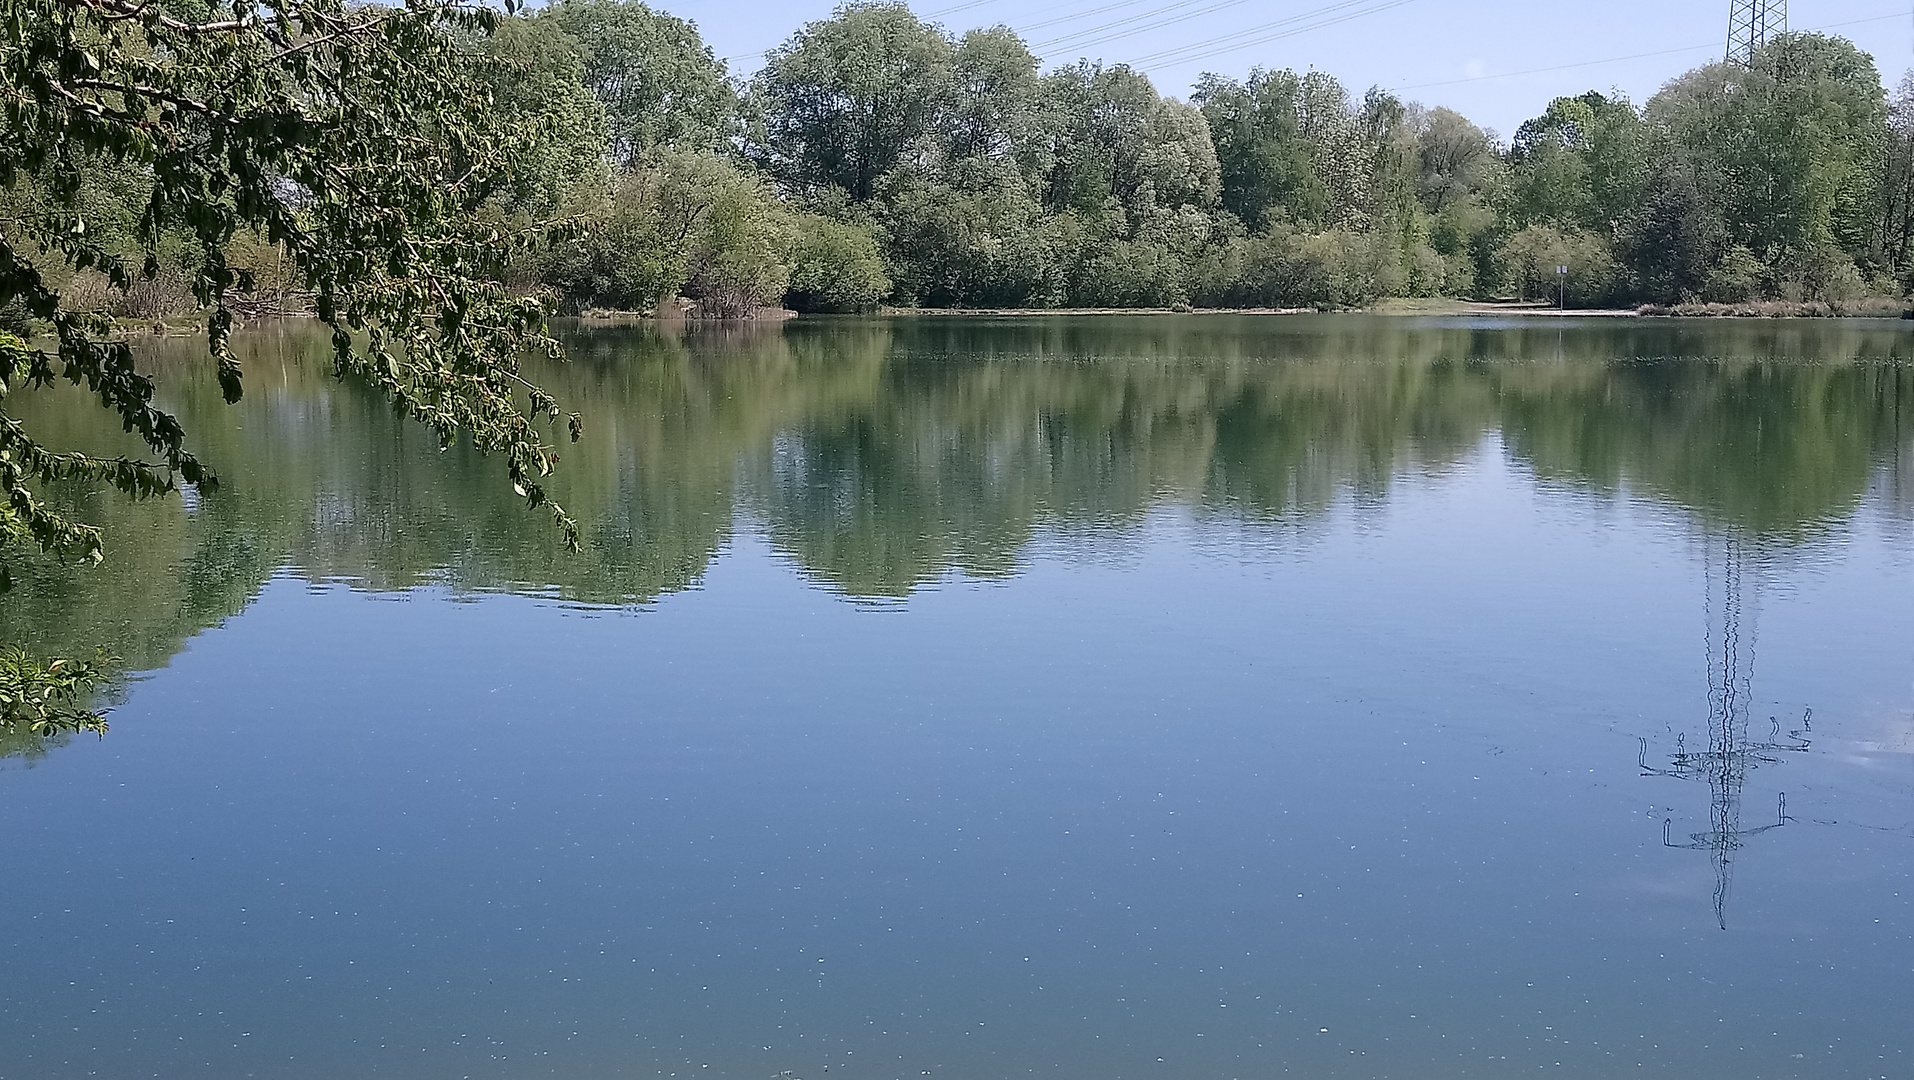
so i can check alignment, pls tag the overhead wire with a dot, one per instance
(955, 8)
(1343, 12)
(1216, 5)
(1631, 56)
(1097, 9)
(1276, 30)
(1154, 18)
(1158, 18)
(1560, 67)
(1075, 15)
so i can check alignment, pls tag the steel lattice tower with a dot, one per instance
(1751, 23)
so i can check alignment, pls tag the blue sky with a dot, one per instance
(1480, 57)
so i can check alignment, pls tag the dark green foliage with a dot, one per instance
(846, 95)
(1582, 164)
(430, 179)
(1283, 266)
(1535, 256)
(998, 186)
(658, 81)
(1782, 158)
(985, 183)
(979, 242)
(1265, 162)
(1734, 183)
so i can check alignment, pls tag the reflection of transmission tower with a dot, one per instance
(1751, 23)
(1731, 753)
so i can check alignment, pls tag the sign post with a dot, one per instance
(1561, 287)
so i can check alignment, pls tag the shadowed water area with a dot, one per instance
(1155, 697)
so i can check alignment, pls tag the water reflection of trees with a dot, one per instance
(882, 454)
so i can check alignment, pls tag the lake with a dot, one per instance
(1094, 697)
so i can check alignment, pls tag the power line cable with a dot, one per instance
(1075, 15)
(1160, 24)
(1632, 56)
(1559, 67)
(1145, 17)
(1217, 46)
(1098, 9)
(955, 8)
(1283, 28)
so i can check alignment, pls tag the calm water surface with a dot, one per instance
(1097, 698)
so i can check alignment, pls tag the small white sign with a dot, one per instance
(1561, 269)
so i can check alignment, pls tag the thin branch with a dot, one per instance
(119, 9)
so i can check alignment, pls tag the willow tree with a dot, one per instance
(360, 141)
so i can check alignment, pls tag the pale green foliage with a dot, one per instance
(537, 80)
(1582, 164)
(1283, 266)
(734, 261)
(1535, 255)
(1264, 161)
(43, 701)
(684, 222)
(996, 109)
(1455, 159)
(1462, 177)
(1736, 278)
(1343, 192)
(1108, 154)
(1342, 155)
(1797, 138)
(835, 266)
(1785, 162)
(1177, 166)
(621, 258)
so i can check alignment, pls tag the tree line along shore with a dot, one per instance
(879, 160)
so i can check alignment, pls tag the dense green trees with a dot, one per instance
(1781, 160)
(656, 78)
(876, 158)
(1733, 183)
(845, 98)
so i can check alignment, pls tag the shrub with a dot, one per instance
(1736, 279)
(983, 245)
(684, 222)
(835, 267)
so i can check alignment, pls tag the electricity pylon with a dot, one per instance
(1731, 751)
(1751, 23)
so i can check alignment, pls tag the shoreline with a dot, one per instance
(1877, 309)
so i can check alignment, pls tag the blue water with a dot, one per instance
(1356, 790)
